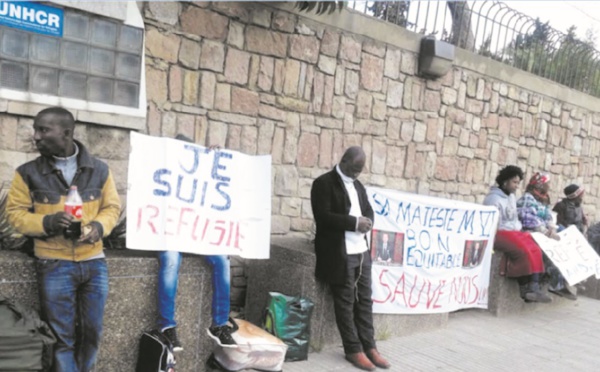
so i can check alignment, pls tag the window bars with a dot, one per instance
(494, 30)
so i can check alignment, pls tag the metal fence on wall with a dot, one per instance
(493, 29)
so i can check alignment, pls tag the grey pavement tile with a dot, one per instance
(494, 344)
(547, 352)
(590, 337)
(471, 328)
(549, 315)
(572, 326)
(392, 348)
(449, 369)
(561, 338)
(546, 333)
(488, 323)
(445, 354)
(419, 362)
(471, 365)
(526, 336)
(421, 343)
(581, 363)
(524, 322)
(487, 345)
(574, 346)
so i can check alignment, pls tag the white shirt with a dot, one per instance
(355, 240)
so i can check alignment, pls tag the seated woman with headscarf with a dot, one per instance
(535, 215)
(522, 256)
(569, 210)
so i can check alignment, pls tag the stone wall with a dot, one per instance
(266, 80)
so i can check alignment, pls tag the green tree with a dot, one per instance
(525, 51)
(392, 11)
(563, 58)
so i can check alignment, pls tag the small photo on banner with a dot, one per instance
(473, 252)
(387, 247)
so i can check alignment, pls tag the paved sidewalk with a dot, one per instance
(561, 338)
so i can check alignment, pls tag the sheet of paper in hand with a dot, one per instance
(572, 254)
(185, 198)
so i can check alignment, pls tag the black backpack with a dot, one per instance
(155, 353)
(26, 342)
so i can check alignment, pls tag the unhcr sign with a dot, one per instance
(32, 17)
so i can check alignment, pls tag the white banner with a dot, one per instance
(430, 255)
(572, 254)
(184, 198)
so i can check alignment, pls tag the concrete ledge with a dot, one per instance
(131, 306)
(290, 270)
(591, 288)
(504, 296)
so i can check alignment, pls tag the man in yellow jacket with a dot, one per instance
(72, 273)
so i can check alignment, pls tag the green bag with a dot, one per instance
(25, 340)
(288, 318)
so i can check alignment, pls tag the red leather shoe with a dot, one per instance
(360, 360)
(377, 359)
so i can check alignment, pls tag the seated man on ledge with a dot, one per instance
(168, 275)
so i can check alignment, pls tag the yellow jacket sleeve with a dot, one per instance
(19, 209)
(110, 206)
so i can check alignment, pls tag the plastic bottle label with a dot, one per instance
(74, 210)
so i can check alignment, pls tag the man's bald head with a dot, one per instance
(57, 116)
(353, 161)
(353, 153)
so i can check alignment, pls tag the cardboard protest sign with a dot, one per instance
(430, 255)
(185, 198)
(572, 254)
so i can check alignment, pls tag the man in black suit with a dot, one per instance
(343, 216)
(385, 250)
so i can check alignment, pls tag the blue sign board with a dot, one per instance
(32, 17)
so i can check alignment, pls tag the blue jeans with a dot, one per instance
(73, 293)
(168, 275)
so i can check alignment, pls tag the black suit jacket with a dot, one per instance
(331, 207)
(387, 253)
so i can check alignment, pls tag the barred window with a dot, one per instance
(96, 60)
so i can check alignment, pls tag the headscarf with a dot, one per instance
(534, 187)
(539, 179)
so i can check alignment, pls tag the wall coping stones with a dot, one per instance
(382, 31)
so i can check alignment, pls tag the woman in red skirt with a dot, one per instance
(522, 256)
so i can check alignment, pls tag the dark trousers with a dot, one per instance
(354, 306)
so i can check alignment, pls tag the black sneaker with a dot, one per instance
(171, 335)
(222, 334)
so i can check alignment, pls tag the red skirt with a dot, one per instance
(522, 255)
